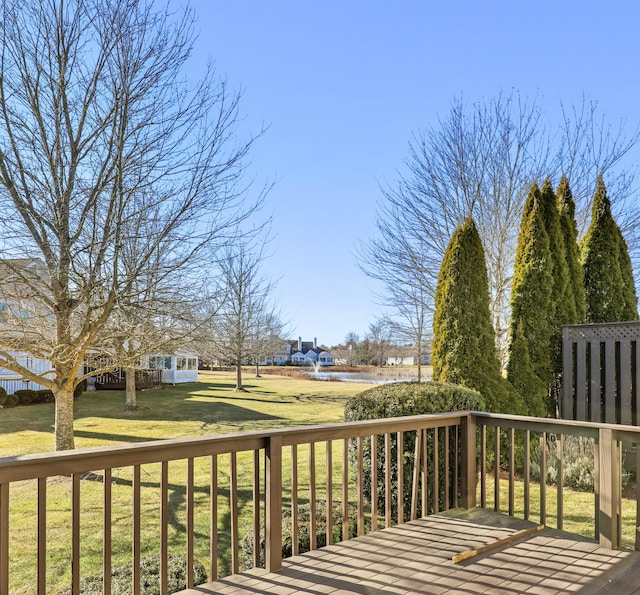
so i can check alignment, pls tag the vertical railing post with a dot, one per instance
(468, 454)
(273, 503)
(610, 488)
(566, 401)
(4, 539)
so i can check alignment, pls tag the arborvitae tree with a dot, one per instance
(575, 301)
(522, 377)
(531, 303)
(608, 280)
(560, 309)
(463, 338)
(630, 311)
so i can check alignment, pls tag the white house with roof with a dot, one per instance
(308, 353)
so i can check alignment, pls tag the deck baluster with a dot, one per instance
(360, 488)
(295, 547)
(526, 471)
(400, 475)
(345, 489)
(213, 519)
(256, 508)
(313, 538)
(106, 534)
(374, 483)
(42, 535)
(329, 495)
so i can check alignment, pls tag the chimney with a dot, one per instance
(300, 344)
(315, 343)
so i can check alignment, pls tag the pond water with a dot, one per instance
(357, 377)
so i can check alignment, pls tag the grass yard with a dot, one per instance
(183, 411)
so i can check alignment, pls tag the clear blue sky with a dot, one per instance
(342, 86)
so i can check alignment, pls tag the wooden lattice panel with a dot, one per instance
(616, 331)
(601, 372)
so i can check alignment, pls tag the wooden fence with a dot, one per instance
(601, 373)
(116, 380)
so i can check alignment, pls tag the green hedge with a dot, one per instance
(402, 399)
(79, 389)
(45, 396)
(26, 396)
(10, 401)
(411, 398)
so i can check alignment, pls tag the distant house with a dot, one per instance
(405, 355)
(301, 353)
(153, 369)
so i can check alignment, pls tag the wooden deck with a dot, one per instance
(416, 558)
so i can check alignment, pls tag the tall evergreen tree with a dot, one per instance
(608, 279)
(522, 377)
(560, 307)
(630, 310)
(463, 336)
(531, 304)
(575, 300)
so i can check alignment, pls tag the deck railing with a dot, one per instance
(210, 497)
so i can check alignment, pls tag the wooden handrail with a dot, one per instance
(19, 468)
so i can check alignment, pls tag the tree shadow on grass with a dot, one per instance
(207, 403)
(215, 414)
(244, 397)
(177, 512)
(181, 410)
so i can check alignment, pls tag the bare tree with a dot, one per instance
(379, 336)
(246, 317)
(266, 339)
(100, 135)
(480, 161)
(351, 342)
(165, 309)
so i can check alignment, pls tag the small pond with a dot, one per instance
(357, 377)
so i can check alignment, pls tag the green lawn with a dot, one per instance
(209, 407)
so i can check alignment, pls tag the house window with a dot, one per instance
(160, 362)
(186, 363)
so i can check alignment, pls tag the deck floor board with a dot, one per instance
(416, 557)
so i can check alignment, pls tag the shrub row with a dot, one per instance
(29, 396)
